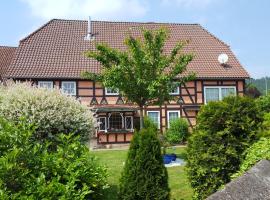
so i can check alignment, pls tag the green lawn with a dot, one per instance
(114, 160)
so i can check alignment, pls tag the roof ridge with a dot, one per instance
(131, 22)
(124, 22)
(37, 30)
(215, 37)
(5, 46)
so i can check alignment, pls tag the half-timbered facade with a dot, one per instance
(53, 56)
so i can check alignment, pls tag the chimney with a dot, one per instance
(89, 35)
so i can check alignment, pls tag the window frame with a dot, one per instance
(219, 91)
(75, 87)
(105, 124)
(168, 116)
(156, 111)
(110, 94)
(39, 83)
(122, 120)
(131, 117)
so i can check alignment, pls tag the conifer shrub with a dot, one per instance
(32, 170)
(49, 110)
(224, 130)
(178, 131)
(144, 176)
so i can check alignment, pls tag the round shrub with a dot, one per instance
(258, 151)
(49, 110)
(31, 170)
(224, 130)
(178, 131)
(144, 176)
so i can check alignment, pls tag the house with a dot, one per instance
(254, 184)
(6, 56)
(53, 56)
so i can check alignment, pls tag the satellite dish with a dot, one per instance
(223, 58)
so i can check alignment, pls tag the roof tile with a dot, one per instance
(56, 50)
(6, 56)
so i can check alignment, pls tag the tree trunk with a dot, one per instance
(141, 117)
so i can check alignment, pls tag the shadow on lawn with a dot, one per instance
(111, 193)
(182, 155)
(179, 153)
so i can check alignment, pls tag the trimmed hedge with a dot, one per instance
(224, 130)
(258, 151)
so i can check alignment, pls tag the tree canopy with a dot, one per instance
(142, 73)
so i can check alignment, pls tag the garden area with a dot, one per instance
(43, 152)
(114, 160)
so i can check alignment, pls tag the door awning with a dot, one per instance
(114, 108)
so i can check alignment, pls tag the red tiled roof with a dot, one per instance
(6, 56)
(56, 49)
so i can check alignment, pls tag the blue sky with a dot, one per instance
(242, 24)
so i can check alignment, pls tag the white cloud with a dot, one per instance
(80, 9)
(188, 3)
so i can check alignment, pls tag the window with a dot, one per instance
(45, 84)
(155, 117)
(227, 91)
(116, 121)
(110, 91)
(175, 90)
(102, 123)
(215, 93)
(129, 122)
(211, 94)
(171, 115)
(69, 87)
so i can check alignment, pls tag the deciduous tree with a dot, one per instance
(142, 73)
